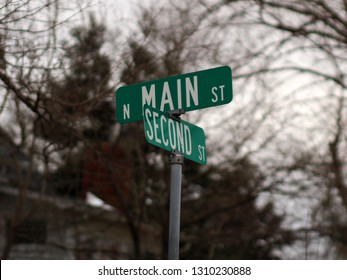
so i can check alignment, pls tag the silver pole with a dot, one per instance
(176, 162)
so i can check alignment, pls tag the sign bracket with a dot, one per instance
(175, 114)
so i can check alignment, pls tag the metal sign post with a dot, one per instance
(176, 162)
(160, 104)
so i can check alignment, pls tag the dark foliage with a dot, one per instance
(224, 221)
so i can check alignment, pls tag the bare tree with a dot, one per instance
(30, 52)
(302, 44)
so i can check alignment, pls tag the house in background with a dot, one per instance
(40, 223)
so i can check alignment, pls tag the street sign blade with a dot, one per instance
(170, 134)
(191, 91)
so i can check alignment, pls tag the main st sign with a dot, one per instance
(191, 91)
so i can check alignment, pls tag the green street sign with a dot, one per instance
(191, 91)
(170, 134)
